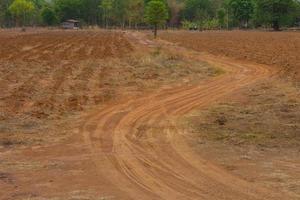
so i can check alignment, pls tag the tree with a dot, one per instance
(39, 3)
(121, 12)
(276, 12)
(156, 14)
(69, 9)
(91, 11)
(175, 8)
(21, 9)
(221, 17)
(135, 11)
(106, 6)
(48, 16)
(242, 11)
(5, 15)
(198, 10)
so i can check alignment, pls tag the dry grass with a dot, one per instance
(267, 115)
(255, 136)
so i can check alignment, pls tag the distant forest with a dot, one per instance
(188, 14)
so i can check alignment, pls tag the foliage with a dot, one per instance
(242, 10)
(21, 9)
(188, 25)
(48, 16)
(106, 7)
(197, 10)
(136, 12)
(156, 14)
(221, 13)
(69, 9)
(5, 15)
(276, 12)
(210, 24)
(133, 13)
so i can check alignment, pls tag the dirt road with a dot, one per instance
(133, 150)
(141, 155)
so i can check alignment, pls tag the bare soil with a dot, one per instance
(254, 135)
(116, 98)
(279, 49)
(49, 77)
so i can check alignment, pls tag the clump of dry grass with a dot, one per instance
(269, 115)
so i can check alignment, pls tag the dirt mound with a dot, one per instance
(279, 49)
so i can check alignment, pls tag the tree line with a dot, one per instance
(189, 14)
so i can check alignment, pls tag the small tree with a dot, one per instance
(156, 14)
(221, 17)
(106, 7)
(276, 12)
(135, 12)
(21, 9)
(48, 16)
(69, 9)
(242, 10)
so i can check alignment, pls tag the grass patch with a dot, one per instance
(268, 115)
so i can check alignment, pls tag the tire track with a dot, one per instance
(160, 164)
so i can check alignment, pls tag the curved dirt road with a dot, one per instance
(139, 153)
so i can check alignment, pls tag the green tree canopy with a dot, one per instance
(21, 9)
(201, 14)
(69, 9)
(221, 16)
(198, 10)
(276, 12)
(135, 11)
(156, 14)
(106, 7)
(5, 15)
(48, 16)
(242, 10)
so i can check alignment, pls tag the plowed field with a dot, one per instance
(127, 144)
(56, 46)
(271, 48)
(47, 76)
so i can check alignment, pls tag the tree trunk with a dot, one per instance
(155, 31)
(129, 23)
(275, 25)
(227, 24)
(24, 19)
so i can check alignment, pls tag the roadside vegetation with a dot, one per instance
(264, 115)
(189, 14)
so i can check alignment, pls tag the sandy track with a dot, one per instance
(140, 154)
(135, 147)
